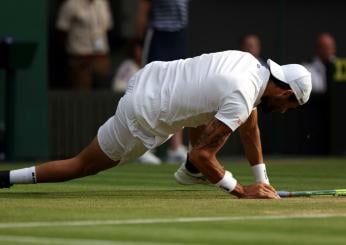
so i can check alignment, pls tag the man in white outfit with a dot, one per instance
(213, 95)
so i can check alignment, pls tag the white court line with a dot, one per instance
(164, 220)
(71, 241)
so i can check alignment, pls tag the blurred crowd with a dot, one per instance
(160, 34)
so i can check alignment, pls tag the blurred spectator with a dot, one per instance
(318, 108)
(252, 44)
(84, 25)
(325, 51)
(162, 24)
(127, 68)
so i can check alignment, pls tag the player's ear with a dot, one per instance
(287, 93)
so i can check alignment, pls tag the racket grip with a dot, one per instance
(284, 193)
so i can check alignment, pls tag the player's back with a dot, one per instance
(189, 92)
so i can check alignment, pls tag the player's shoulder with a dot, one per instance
(227, 82)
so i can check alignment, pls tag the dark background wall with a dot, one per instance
(287, 28)
(27, 21)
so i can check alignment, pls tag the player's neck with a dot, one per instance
(270, 89)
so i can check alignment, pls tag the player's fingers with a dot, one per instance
(264, 193)
(270, 195)
(269, 187)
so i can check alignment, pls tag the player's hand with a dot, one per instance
(259, 190)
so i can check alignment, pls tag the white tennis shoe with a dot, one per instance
(184, 177)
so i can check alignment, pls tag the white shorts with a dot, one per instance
(122, 138)
(116, 139)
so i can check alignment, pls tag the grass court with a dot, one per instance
(142, 205)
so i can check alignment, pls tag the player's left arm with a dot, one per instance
(251, 139)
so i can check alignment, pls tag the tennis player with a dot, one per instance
(213, 95)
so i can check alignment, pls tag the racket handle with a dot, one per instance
(284, 193)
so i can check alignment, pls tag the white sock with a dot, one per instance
(260, 173)
(23, 176)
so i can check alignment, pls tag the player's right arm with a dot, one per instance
(203, 156)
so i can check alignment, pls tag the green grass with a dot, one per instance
(149, 192)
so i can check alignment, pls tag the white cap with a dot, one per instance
(296, 76)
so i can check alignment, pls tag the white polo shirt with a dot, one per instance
(189, 93)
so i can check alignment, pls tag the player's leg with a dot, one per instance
(114, 143)
(89, 162)
(113, 140)
(188, 174)
(194, 134)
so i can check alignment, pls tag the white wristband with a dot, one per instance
(260, 173)
(227, 183)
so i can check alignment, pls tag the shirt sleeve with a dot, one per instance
(234, 110)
